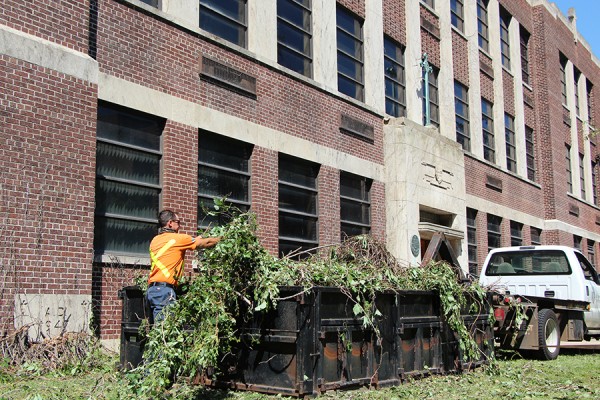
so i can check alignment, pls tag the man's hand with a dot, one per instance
(204, 243)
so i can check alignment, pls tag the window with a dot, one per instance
(569, 174)
(588, 93)
(430, 3)
(525, 55)
(472, 240)
(225, 19)
(581, 176)
(395, 84)
(153, 3)
(504, 38)
(494, 234)
(355, 204)
(294, 35)
(128, 162)
(577, 75)
(482, 25)
(528, 262)
(223, 171)
(457, 14)
(511, 152)
(563, 78)
(536, 236)
(298, 219)
(595, 182)
(516, 234)
(577, 242)
(350, 54)
(434, 104)
(461, 107)
(530, 153)
(591, 246)
(487, 123)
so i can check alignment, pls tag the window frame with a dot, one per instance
(569, 170)
(505, 19)
(398, 82)
(516, 233)
(364, 201)
(136, 223)
(305, 31)
(488, 133)
(472, 240)
(461, 98)
(483, 29)
(239, 23)
(434, 99)
(530, 153)
(357, 36)
(511, 146)
(214, 140)
(563, 79)
(582, 176)
(525, 37)
(537, 234)
(457, 14)
(494, 221)
(294, 164)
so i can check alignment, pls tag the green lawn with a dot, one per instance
(574, 375)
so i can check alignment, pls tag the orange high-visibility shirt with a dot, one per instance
(167, 252)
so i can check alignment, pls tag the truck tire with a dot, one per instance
(548, 334)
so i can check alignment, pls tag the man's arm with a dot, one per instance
(204, 243)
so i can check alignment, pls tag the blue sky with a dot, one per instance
(588, 19)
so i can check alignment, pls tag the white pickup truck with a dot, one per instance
(558, 295)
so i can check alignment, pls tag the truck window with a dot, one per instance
(588, 271)
(528, 262)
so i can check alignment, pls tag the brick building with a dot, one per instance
(399, 118)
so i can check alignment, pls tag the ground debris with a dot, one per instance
(72, 348)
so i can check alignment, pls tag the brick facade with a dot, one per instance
(48, 138)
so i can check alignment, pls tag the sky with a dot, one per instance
(588, 19)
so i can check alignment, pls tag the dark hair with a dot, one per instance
(165, 216)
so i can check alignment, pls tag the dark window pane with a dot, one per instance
(300, 200)
(124, 163)
(129, 127)
(297, 227)
(121, 236)
(126, 200)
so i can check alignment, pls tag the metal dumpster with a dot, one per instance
(133, 313)
(312, 342)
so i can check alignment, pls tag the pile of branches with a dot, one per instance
(239, 270)
(57, 353)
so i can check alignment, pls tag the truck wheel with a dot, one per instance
(548, 335)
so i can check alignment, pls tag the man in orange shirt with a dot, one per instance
(167, 252)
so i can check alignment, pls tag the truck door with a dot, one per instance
(592, 284)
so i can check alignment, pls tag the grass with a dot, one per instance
(574, 375)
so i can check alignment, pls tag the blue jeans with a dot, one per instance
(160, 297)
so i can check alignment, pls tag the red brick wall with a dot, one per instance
(394, 13)
(329, 205)
(60, 21)
(156, 55)
(460, 58)
(264, 194)
(508, 84)
(355, 6)
(430, 44)
(47, 148)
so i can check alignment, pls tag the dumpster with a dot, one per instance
(312, 343)
(133, 313)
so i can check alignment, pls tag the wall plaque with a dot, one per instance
(356, 127)
(227, 76)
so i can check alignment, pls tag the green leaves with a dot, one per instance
(239, 276)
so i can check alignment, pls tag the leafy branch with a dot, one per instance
(201, 328)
